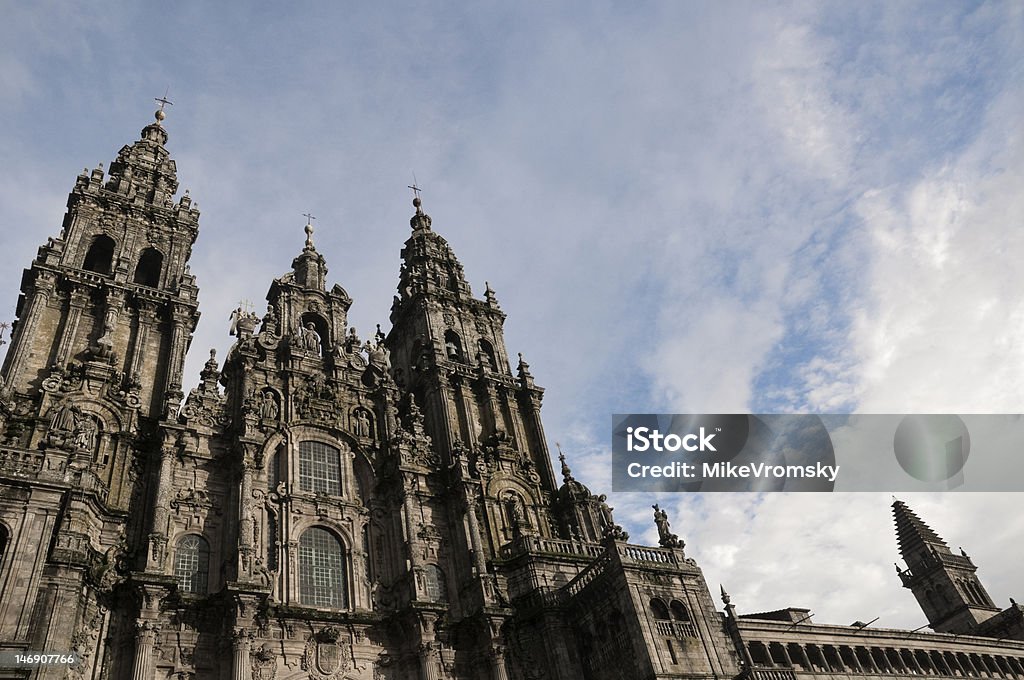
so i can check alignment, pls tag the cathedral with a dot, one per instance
(322, 506)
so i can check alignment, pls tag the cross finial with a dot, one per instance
(163, 101)
(309, 229)
(245, 305)
(415, 187)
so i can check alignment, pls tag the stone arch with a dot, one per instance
(100, 256)
(489, 357)
(453, 347)
(149, 268)
(679, 611)
(658, 609)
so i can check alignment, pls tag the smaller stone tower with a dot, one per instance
(944, 584)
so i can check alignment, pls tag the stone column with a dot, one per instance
(76, 304)
(914, 664)
(429, 659)
(145, 637)
(179, 334)
(785, 654)
(27, 333)
(245, 512)
(161, 511)
(805, 660)
(855, 661)
(499, 672)
(241, 668)
(147, 319)
(474, 532)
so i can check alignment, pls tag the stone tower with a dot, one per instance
(944, 584)
(104, 320)
(449, 354)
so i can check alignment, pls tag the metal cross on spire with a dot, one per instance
(415, 186)
(164, 101)
(309, 229)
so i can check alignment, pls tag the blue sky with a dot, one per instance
(681, 206)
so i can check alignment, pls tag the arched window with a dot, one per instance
(100, 255)
(192, 564)
(319, 468)
(147, 272)
(659, 610)
(437, 590)
(322, 580)
(452, 346)
(488, 351)
(679, 612)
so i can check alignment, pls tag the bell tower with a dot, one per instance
(449, 353)
(944, 584)
(106, 312)
(111, 301)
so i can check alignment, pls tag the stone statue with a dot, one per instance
(310, 339)
(515, 508)
(605, 511)
(362, 423)
(235, 315)
(665, 536)
(85, 433)
(268, 407)
(65, 420)
(661, 519)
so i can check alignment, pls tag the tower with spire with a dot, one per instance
(91, 387)
(944, 583)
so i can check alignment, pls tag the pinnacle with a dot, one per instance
(913, 535)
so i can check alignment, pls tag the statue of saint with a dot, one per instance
(310, 338)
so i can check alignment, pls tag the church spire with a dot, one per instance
(944, 584)
(914, 536)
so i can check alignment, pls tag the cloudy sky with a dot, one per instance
(683, 207)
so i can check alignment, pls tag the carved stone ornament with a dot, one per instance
(327, 658)
(264, 663)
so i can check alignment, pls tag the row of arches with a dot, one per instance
(100, 259)
(454, 352)
(973, 591)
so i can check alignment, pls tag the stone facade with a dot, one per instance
(326, 507)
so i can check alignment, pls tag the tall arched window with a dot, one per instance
(437, 590)
(319, 468)
(192, 564)
(322, 580)
(100, 256)
(147, 272)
